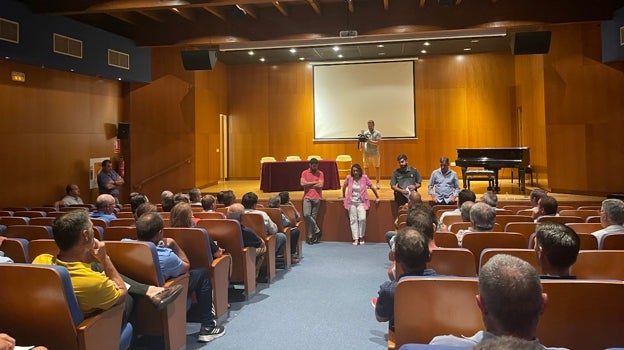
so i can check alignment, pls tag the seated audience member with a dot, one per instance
(535, 196)
(611, 217)
(546, 206)
(556, 247)
(443, 184)
(182, 216)
(249, 201)
(4, 259)
(506, 342)
(104, 208)
(208, 203)
(464, 210)
(412, 253)
(166, 200)
(145, 208)
(490, 198)
(464, 195)
(227, 198)
(250, 238)
(181, 197)
(414, 199)
(173, 262)
(98, 285)
(8, 343)
(274, 202)
(285, 200)
(482, 217)
(511, 302)
(195, 197)
(136, 201)
(72, 196)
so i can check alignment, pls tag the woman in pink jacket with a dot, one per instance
(356, 201)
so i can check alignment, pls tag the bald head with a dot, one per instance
(105, 203)
(235, 211)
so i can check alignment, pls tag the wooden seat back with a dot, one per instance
(560, 219)
(42, 221)
(30, 213)
(451, 219)
(452, 262)
(516, 208)
(477, 241)
(588, 241)
(117, 233)
(445, 240)
(526, 254)
(505, 219)
(599, 264)
(585, 213)
(612, 241)
(55, 315)
(42, 246)
(29, 232)
(228, 233)
(255, 222)
(425, 307)
(16, 249)
(14, 220)
(275, 214)
(585, 227)
(466, 225)
(571, 314)
(209, 215)
(593, 218)
(122, 222)
(525, 228)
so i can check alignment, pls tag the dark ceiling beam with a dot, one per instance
(422, 3)
(280, 8)
(386, 4)
(123, 16)
(215, 11)
(315, 6)
(152, 15)
(248, 11)
(185, 13)
(350, 5)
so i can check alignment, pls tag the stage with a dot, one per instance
(333, 219)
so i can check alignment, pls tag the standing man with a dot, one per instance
(109, 181)
(404, 181)
(444, 184)
(370, 150)
(312, 182)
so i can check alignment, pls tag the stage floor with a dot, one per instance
(509, 191)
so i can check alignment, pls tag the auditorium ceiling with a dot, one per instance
(292, 30)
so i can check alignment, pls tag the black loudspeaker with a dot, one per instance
(199, 59)
(528, 43)
(123, 131)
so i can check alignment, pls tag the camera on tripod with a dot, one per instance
(362, 138)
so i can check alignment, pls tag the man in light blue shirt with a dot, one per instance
(443, 184)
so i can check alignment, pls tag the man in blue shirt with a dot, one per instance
(105, 208)
(443, 184)
(109, 181)
(174, 262)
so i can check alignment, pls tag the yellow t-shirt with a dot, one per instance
(93, 290)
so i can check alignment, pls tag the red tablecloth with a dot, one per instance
(286, 176)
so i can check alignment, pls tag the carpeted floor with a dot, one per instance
(321, 303)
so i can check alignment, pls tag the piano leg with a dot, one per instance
(463, 170)
(496, 187)
(521, 179)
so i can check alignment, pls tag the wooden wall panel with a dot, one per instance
(49, 128)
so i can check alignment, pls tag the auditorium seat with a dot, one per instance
(275, 214)
(593, 218)
(612, 241)
(290, 213)
(588, 241)
(209, 215)
(117, 233)
(560, 219)
(256, 223)
(125, 215)
(228, 233)
(55, 319)
(525, 228)
(139, 261)
(196, 244)
(16, 249)
(122, 222)
(590, 207)
(505, 219)
(455, 227)
(30, 213)
(527, 255)
(452, 262)
(99, 223)
(14, 220)
(451, 219)
(584, 214)
(585, 227)
(599, 264)
(477, 241)
(516, 208)
(445, 240)
(37, 247)
(29, 232)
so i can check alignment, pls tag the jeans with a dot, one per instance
(199, 282)
(280, 242)
(310, 210)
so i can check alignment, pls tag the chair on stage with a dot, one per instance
(292, 158)
(29, 232)
(16, 249)
(477, 241)
(55, 319)
(612, 241)
(196, 244)
(265, 160)
(315, 156)
(139, 261)
(527, 255)
(228, 233)
(343, 161)
(425, 307)
(255, 222)
(452, 262)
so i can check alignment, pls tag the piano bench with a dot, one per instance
(480, 175)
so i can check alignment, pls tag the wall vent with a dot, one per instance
(67, 46)
(118, 59)
(9, 31)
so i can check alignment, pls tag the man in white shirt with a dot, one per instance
(611, 218)
(249, 201)
(72, 196)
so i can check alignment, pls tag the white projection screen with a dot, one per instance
(346, 96)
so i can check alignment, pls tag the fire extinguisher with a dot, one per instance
(121, 165)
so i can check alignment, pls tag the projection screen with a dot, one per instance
(346, 96)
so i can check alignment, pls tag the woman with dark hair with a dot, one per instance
(182, 216)
(356, 201)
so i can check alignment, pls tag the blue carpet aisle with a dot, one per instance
(322, 303)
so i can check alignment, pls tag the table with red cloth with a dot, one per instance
(286, 176)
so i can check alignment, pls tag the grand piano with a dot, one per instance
(494, 159)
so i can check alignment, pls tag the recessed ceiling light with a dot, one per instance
(381, 54)
(426, 43)
(251, 53)
(380, 45)
(262, 59)
(301, 58)
(336, 48)
(293, 50)
(474, 40)
(340, 56)
(467, 49)
(423, 51)
(119, 79)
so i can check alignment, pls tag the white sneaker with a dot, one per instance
(378, 186)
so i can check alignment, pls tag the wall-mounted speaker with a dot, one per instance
(199, 59)
(528, 43)
(123, 131)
